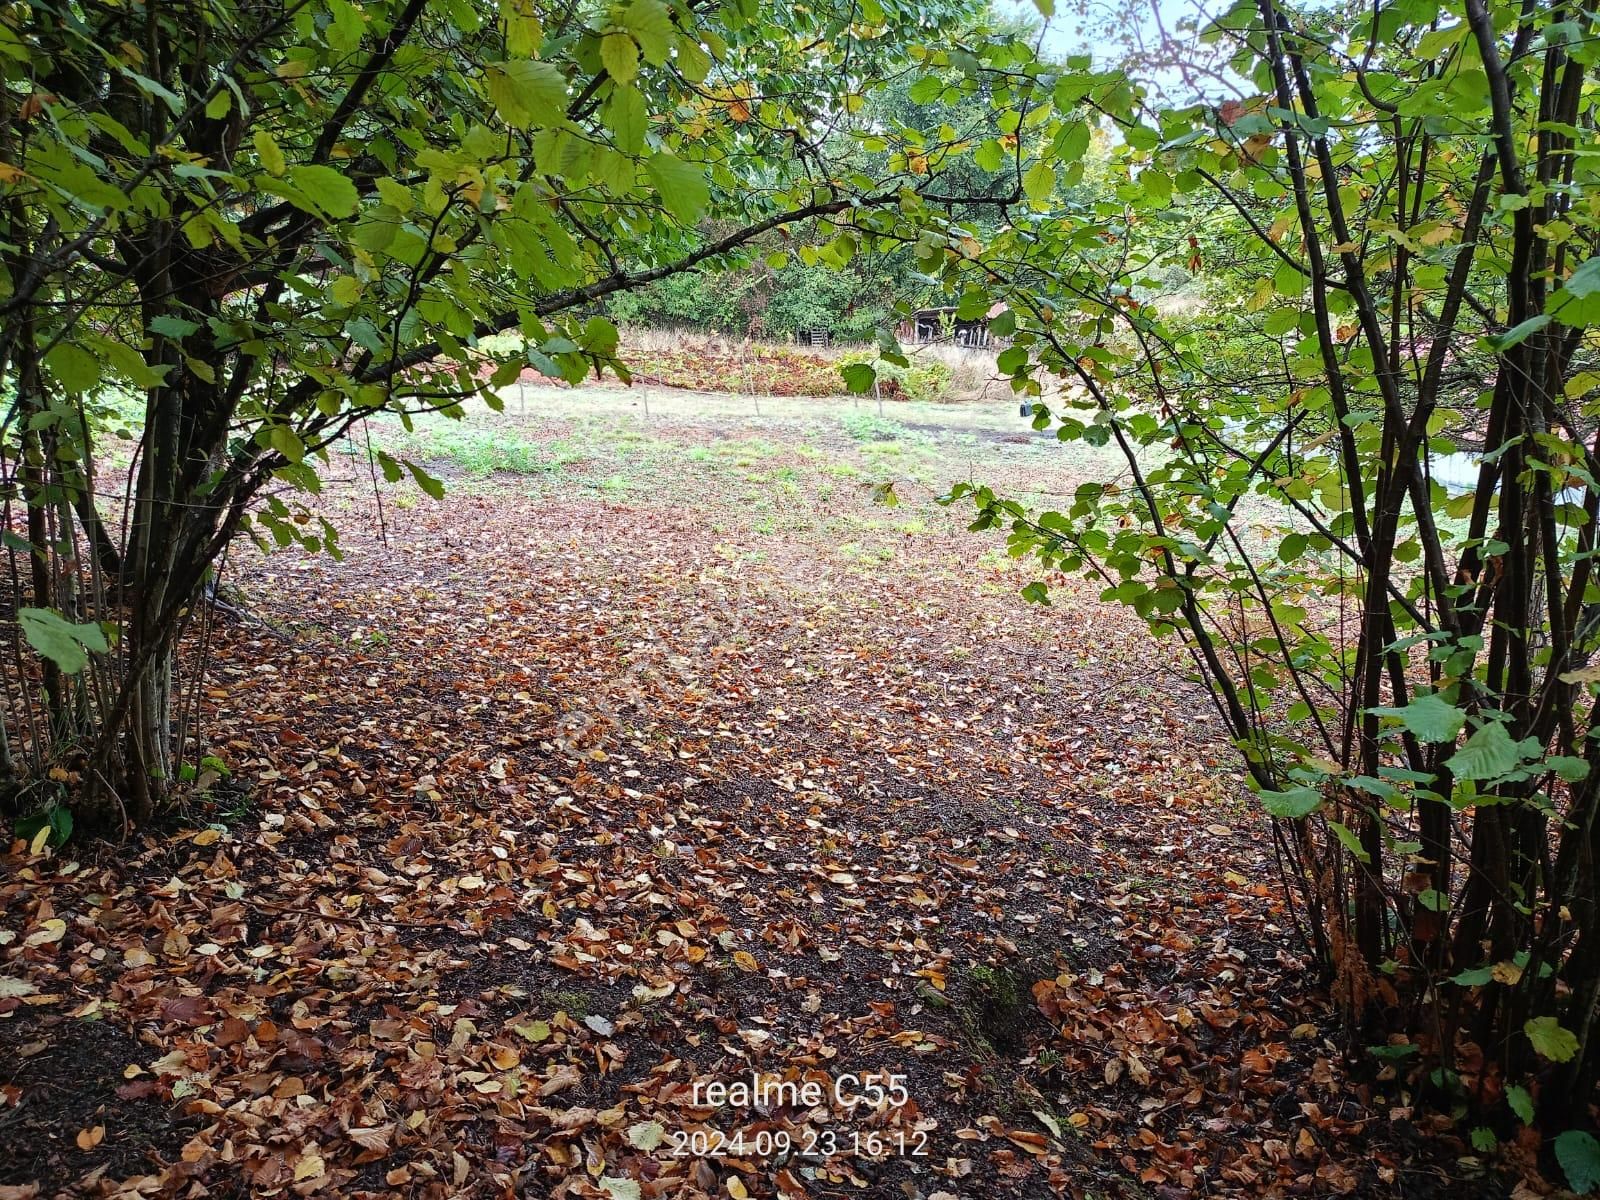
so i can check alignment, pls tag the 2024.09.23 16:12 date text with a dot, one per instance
(814, 1143)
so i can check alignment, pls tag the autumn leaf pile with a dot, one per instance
(755, 367)
(544, 807)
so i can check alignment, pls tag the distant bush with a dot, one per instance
(925, 379)
(498, 345)
(866, 426)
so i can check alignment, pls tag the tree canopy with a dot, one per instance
(260, 224)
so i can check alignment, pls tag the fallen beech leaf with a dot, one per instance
(1033, 1143)
(561, 1078)
(375, 1138)
(88, 1139)
(48, 932)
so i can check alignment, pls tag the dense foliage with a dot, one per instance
(1360, 487)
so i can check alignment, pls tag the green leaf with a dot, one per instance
(1579, 1155)
(1430, 718)
(1072, 143)
(1578, 301)
(1568, 767)
(59, 640)
(619, 54)
(625, 115)
(1550, 1039)
(73, 367)
(1488, 754)
(1157, 185)
(859, 377)
(218, 106)
(1517, 334)
(268, 152)
(1280, 321)
(600, 336)
(1521, 1103)
(330, 191)
(394, 193)
(173, 327)
(682, 186)
(345, 30)
(1393, 1053)
(287, 443)
(426, 482)
(1292, 803)
(1292, 547)
(651, 25)
(694, 64)
(1350, 841)
(619, 1189)
(1039, 181)
(527, 93)
(58, 819)
(1483, 1139)
(989, 156)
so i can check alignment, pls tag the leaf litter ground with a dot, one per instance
(659, 756)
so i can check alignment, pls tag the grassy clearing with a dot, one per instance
(799, 473)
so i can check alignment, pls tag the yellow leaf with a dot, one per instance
(736, 1188)
(1506, 972)
(309, 1166)
(745, 961)
(49, 931)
